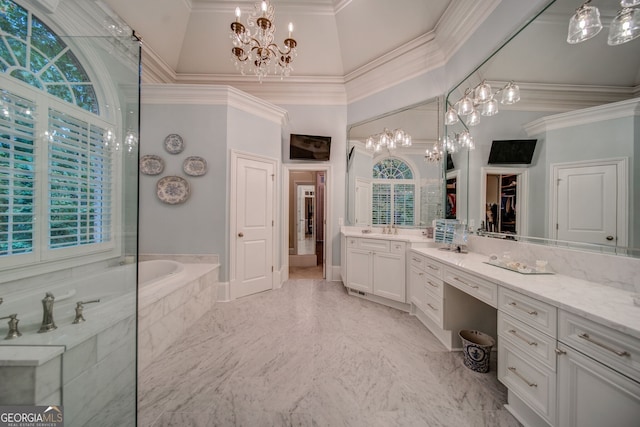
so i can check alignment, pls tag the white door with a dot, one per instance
(587, 204)
(254, 227)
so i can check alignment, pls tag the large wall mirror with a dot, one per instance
(397, 186)
(560, 166)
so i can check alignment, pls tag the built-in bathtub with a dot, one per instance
(172, 296)
(83, 366)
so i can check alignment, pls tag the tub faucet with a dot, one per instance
(47, 317)
(79, 310)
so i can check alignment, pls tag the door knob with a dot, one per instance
(240, 234)
(609, 238)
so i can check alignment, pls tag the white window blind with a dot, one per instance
(17, 175)
(79, 183)
(381, 201)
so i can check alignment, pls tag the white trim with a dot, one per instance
(233, 159)
(185, 94)
(616, 110)
(328, 228)
(622, 219)
(522, 194)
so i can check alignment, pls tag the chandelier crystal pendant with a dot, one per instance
(584, 24)
(254, 47)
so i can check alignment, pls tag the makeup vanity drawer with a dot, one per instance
(528, 379)
(434, 268)
(433, 308)
(537, 314)
(434, 285)
(417, 261)
(527, 340)
(610, 347)
(481, 289)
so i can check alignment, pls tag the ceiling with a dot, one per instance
(335, 37)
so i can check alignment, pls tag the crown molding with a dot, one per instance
(616, 110)
(229, 6)
(417, 57)
(185, 94)
(292, 90)
(459, 22)
(154, 68)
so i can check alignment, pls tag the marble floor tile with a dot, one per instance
(309, 354)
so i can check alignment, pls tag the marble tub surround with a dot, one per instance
(611, 270)
(183, 258)
(309, 354)
(168, 309)
(607, 305)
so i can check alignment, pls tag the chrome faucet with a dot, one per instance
(47, 317)
(79, 310)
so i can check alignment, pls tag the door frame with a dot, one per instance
(622, 214)
(328, 237)
(231, 232)
(522, 194)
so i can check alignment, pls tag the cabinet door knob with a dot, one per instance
(560, 352)
(609, 238)
(241, 234)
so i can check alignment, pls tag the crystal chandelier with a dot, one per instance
(388, 139)
(481, 101)
(586, 23)
(450, 144)
(254, 47)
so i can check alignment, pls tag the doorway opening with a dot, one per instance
(307, 206)
(504, 197)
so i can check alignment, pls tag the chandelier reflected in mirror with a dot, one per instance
(481, 101)
(388, 139)
(450, 144)
(254, 47)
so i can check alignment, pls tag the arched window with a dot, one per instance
(56, 187)
(393, 193)
(30, 51)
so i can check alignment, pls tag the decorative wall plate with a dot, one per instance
(173, 190)
(194, 166)
(151, 165)
(173, 143)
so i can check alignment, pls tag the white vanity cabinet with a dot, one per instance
(377, 267)
(526, 355)
(598, 375)
(426, 288)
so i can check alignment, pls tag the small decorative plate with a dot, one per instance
(194, 166)
(151, 165)
(173, 190)
(173, 143)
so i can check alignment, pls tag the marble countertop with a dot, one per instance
(603, 304)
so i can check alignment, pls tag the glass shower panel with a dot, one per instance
(69, 108)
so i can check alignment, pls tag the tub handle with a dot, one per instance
(79, 310)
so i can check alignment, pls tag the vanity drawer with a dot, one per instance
(374, 245)
(417, 261)
(434, 285)
(434, 268)
(610, 347)
(528, 340)
(398, 247)
(433, 308)
(538, 314)
(478, 288)
(352, 242)
(529, 380)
